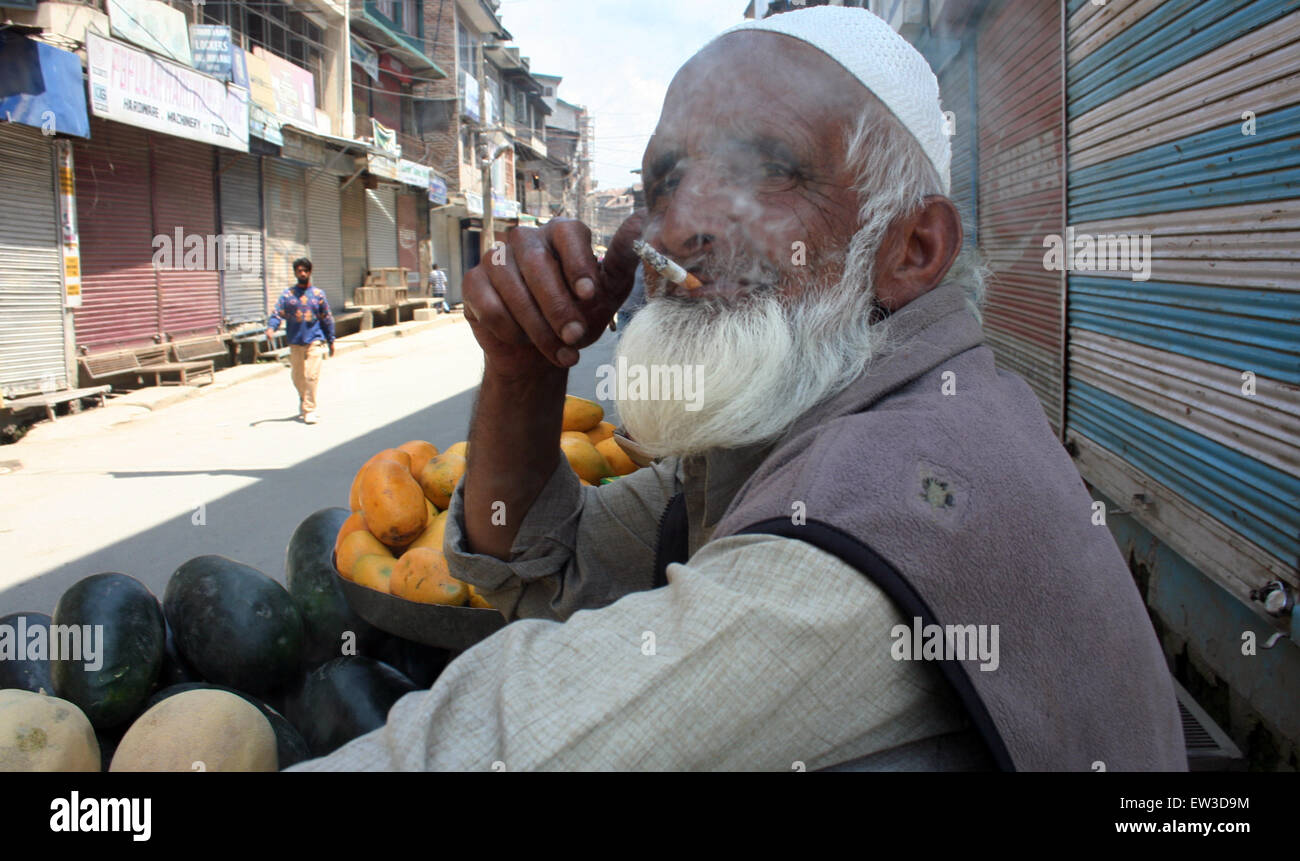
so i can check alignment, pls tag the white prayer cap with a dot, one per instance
(882, 60)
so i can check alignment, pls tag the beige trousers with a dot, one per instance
(305, 361)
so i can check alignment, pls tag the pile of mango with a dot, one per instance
(392, 542)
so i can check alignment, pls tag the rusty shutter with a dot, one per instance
(1021, 130)
(352, 214)
(31, 263)
(184, 206)
(119, 292)
(408, 239)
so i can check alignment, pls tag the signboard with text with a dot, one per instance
(210, 44)
(437, 189)
(294, 89)
(139, 89)
(413, 173)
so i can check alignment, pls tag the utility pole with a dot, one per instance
(485, 154)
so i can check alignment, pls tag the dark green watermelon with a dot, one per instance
(314, 587)
(420, 663)
(290, 746)
(343, 699)
(24, 652)
(175, 669)
(128, 628)
(234, 625)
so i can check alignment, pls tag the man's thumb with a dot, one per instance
(619, 266)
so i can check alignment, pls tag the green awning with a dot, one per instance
(395, 43)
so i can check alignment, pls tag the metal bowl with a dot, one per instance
(438, 625)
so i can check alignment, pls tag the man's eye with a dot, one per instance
(776, 170)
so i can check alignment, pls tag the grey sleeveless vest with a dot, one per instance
(938, 477)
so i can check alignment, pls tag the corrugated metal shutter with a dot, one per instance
(408, 247)
(381, 227)
(284, 203)
(32, 352)
(115, 223)
(1160, 370)
(1018, 80)
(324, 235)
(243, 288)
(183, 200)
(353, 218)
(958, 97)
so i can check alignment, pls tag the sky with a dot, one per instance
(616, 58)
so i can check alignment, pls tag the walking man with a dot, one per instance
(309, 326)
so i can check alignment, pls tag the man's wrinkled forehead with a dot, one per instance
(754, 85)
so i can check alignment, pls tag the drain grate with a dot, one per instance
(1208, 747)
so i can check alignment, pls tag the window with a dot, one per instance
(550, 91)
(466, 145)
(386, 8)
(410, 17)
(465, 45)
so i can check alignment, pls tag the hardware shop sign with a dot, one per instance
(139, 89)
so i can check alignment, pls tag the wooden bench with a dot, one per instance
(153, 360)
(197, 349)
(50, 399)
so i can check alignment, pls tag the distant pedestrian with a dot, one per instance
(309, 326)
(437, 283)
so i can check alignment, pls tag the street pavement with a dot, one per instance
(227, 469)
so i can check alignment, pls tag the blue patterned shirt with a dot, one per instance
(306, 315)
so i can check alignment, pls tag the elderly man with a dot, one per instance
(864, 550)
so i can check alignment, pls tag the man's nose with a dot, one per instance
(703, 208)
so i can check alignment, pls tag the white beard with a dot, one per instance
(764, 362)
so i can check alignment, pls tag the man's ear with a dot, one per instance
(916, 252)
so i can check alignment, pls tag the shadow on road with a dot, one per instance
(292, 418)
(253, 525)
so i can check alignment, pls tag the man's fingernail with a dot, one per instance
(572, 332)
(584, 287)
(566, 356)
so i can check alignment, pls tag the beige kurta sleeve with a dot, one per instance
(577, 548)
(762, 652)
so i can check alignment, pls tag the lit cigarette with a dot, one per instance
(665, 267)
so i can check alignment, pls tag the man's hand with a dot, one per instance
(541, 297)
(331, 349)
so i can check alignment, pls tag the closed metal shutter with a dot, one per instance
(381, 227)
(32, 353)
(1183, 386)
(325, 236)
(119, 293)
(1021, 140)
(284, 204)
(243, 288)
(183, 200)
(353, 218)
(408, 245)
(958, 97)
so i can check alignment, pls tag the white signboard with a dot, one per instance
(473, 203)
(139, 89)
(413, 173)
